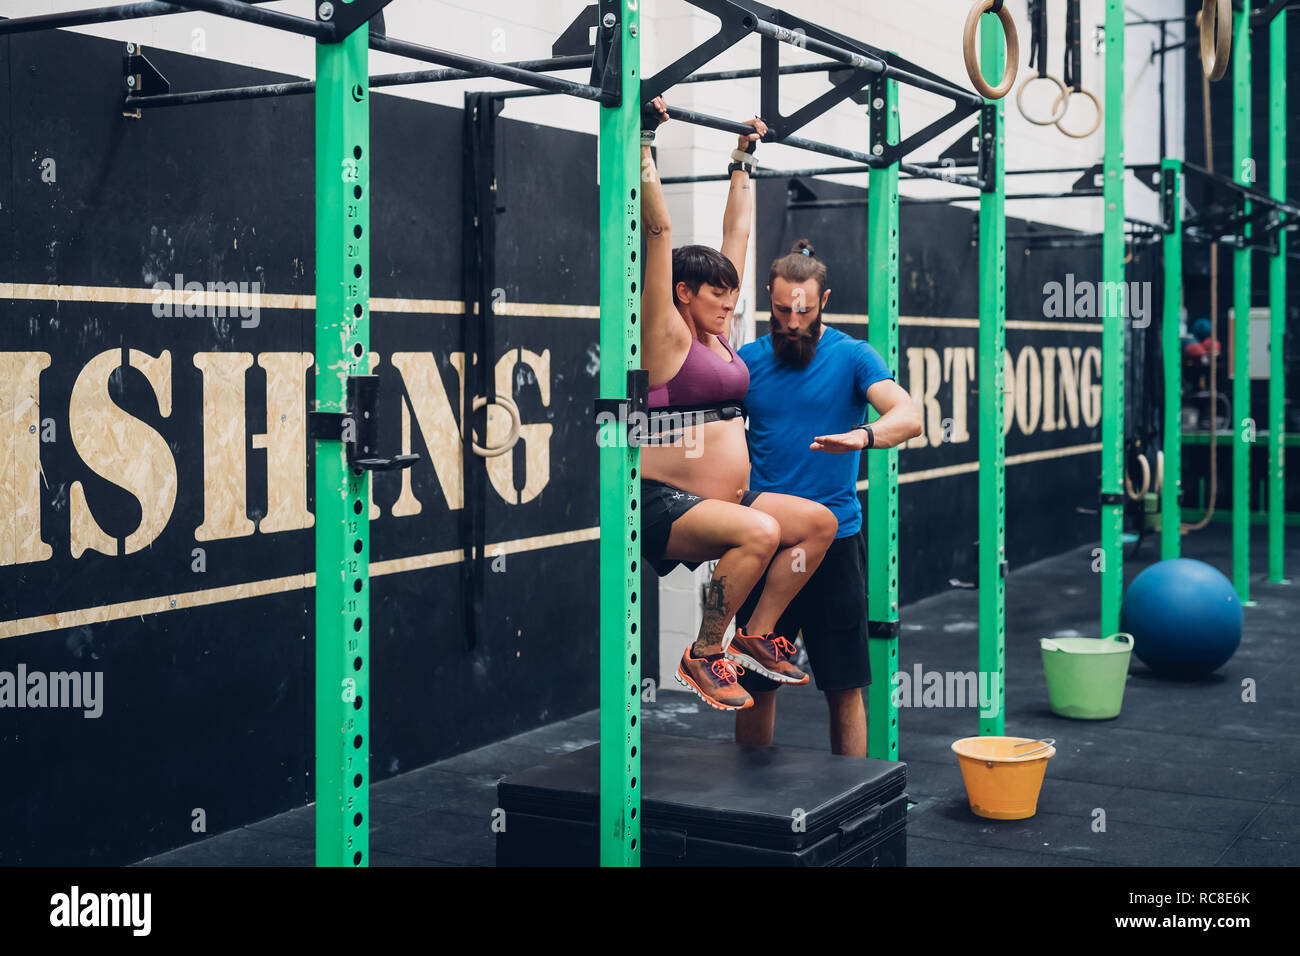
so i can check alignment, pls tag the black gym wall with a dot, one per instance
(201, 622)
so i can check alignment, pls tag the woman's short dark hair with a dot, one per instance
(697, 265)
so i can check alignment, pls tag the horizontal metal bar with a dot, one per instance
(941, 200)
(712, 122)
(1047, 170)
(864, 62)
(301, 87)
(831, 203)
(942, 174)
(238, 10)
(477, 67)
(1251, 194)
(798, 142)
(78, 18)
(762, 173)
(753, 74)
(747, 74)
(812, 44)
(954, 93)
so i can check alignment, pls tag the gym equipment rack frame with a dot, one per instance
(347, 395)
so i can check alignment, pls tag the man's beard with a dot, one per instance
(798, 353)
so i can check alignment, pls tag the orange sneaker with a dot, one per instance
(713, 678)
(768, 655)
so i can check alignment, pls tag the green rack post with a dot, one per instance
(1171, 182)
(620, 523)
(342, 522)
(1114, 310)
(992, 385)
(1243, 171)
(1277, 304)
(882, 466)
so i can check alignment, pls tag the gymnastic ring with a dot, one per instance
(512, 410)
(1020, 100)
(972, 58)
(1146, 480)
(1216, 37)
(1095, 102)
(1160, 472)
(1128, 251)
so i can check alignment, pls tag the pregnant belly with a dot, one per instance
(710, 460)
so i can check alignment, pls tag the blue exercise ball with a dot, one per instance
(1185, 618)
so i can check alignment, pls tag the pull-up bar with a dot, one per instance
(133, 11)
(299, 87)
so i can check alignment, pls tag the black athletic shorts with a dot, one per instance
(831, 611)
(661, 505)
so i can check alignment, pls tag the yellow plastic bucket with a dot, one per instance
(1003, 774)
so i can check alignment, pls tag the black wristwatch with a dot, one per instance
(871, 436)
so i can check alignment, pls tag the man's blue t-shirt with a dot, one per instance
(789, 407)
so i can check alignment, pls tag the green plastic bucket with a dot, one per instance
(1086, 676)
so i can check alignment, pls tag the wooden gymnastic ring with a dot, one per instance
(1066, 101)
(1215, 21)
(492, 451)
(1146, 480)
(1020, 100)
(969, 34)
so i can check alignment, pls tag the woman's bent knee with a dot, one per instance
(763, 534)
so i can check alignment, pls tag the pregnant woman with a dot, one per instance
(696, 505)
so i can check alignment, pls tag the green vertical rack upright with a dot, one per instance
(882, 466)
(1171, 185)
(1277, 303)
(620, 523)
(1243, 171)
(342, 521)
(992, 383)
(1113, 334)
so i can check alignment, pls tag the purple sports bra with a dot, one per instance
(704, 379)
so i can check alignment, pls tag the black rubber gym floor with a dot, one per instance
(1188, 775)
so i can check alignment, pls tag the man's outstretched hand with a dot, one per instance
(855, 440)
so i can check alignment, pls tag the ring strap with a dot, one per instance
(1038, 36)
(1072, 74)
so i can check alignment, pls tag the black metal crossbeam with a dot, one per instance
(239, 10)
(300, 87)
(78, 18)
(476, 67)
(1254, 195)
(910, 171)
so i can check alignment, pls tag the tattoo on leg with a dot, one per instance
(714, 626)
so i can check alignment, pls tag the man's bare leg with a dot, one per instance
(754, 727)
(848, 722)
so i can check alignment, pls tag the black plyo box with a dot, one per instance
(713, 803)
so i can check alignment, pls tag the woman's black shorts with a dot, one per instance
(661, 505)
